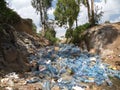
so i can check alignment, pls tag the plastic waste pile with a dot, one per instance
(70, 61)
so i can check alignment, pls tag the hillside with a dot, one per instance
(105, 40)
(17, 42)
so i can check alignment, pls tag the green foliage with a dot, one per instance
(48, 3)
(107, 21)
(34, 28)
(8, 15)
(69, 33)
(66, 12)
(76, 34)
(11, 17)
(50, 34)
(41, 4)
(2, 5)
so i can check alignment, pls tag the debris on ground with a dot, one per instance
(68, 60)
(66, 67)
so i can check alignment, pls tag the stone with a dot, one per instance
(8, 88)
(77, 88)
(92, 51)
(4, 81)
(26, 41)
(56, 48)
(55, 88)
(7, 82)
(10, 83)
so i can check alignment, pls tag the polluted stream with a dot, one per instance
(67, 67)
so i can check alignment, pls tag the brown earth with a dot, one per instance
(105, 40)
(16, 45)
(25, 25)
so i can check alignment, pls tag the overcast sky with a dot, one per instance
(111, 11)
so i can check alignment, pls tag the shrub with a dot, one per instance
(34, 28)
(50, 34)
(77, 33)
(7, 15)
(10, 17)
(69, 33)
(107, 21)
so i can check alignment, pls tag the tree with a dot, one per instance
(67, 12)
(98, 14)
(86, 3)
(2, 4)
(91, 12)
(77, 10)
(41, 7)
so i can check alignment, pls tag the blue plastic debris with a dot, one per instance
(84, 67)
(46, 85)
(33, 80)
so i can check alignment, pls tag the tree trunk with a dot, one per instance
(76, 23)
(41, 13)
(43, 17)
(92, 10)
(89, 12)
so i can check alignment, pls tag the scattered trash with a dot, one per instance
(77, 88)
(46, 85)
(8, 88)
(10, 83)
(7, 82)
(55, 88)
(81, 66)
(33, 80)
(65, 66)
(12, 75)
(4, 81)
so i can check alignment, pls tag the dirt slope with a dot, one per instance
(15, 46)
(105, 40)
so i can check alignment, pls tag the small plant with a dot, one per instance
(34, 28)
(107, 21)
(50, 34)
(76, 34)
(69, 33)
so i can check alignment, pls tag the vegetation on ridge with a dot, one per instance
(7, 15)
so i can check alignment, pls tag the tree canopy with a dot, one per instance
(66, 12)
(2, 5)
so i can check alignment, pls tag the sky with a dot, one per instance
(111, 11)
